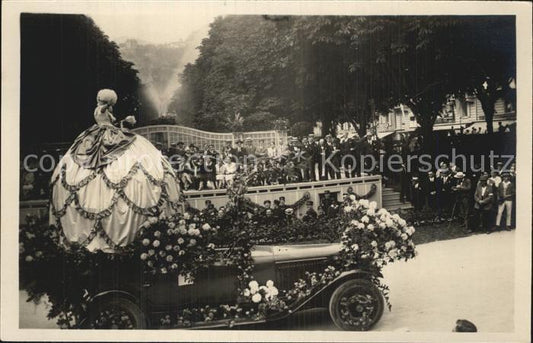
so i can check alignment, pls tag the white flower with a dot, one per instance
(192, 242)
(181, 222)
(273, 291)
(191, 232)
(152, 220)
(256, 298)
(168, 247)
(151, 252)
(171, 225)
(354, 222)
(402, 222)
(145, 224)
(246, 292)
(352, 197)
(373, 205)
(382, 225)
(157, 234)
(182, 230)
(156, 243)
(370, 227)
(206, 227)
(355, 247)
(192, 226)
(371, 212)
(374, 244)
(164, 270)
(360, 226)
(365, 219)
(169, 258)
(162, 216)
(348, 209)
(146, 242)
(182, 252)
(389, 222)
(270, 283)
(396, 217)
(181, 240)
(404, 236)
(253, 285)
(130, 120)
(383, 211)
(393, 253)
(364, 203)
(29, 258)
(187, 215)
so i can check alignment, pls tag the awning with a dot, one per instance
(384, 134)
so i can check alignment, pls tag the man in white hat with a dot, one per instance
(462, 197)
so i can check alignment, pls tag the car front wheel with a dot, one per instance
(356, 305)
(115, 313)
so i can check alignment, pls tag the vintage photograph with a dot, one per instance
(211, 169)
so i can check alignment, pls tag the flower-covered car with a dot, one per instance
(194, 270)
(353, 299)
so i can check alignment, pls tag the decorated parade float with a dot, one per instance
(123, 249)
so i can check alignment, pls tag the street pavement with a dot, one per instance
(466, 278)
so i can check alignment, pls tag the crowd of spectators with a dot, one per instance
(476, 198)
(302, 159)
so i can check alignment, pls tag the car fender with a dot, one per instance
(331, 286)
(114, 292)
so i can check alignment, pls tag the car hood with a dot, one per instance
(282, 253)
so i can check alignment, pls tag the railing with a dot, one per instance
(167, 134)
(258, 194)
(292, 191)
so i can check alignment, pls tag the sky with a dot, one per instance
(155, 26)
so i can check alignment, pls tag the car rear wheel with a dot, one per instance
(356, 305)
(115, 313)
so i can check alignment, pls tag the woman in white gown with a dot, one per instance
(109, 183)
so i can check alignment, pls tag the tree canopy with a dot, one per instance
(65, 60)
(346, 68)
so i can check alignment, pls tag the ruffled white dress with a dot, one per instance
(107, 185)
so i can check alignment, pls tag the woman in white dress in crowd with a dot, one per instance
(109, 183)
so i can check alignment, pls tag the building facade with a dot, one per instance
(466, 113)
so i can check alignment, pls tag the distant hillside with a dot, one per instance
(159, 65)
(156, 63)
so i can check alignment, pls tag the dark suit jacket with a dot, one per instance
(506, 194)
(484, 200)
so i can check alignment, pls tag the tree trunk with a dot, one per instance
(427, 136)
(327, 127)
(488, 110)
(359, 127)
(487, 95)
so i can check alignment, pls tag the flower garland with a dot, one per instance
(367, 195)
